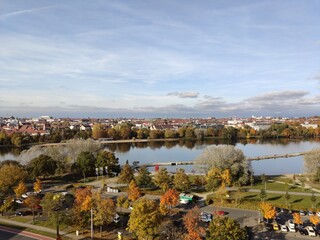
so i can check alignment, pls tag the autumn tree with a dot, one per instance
(10, 175)
(168, 200)
(268, 210)
(143, 178)
(213, 179)
(7, 205)
(126, 174)
(297, 218)
(312, 162)
(225, 228)
(145, 219)
(133, 191)
(104, 210)
(162, 179)
(98, 131)
(37, 185)
(314, 219)
(82, 206)
(192, 224)
(32, 202)
(20, 189)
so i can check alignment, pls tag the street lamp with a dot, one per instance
(101, 171)
(106, 168)
(97, 172)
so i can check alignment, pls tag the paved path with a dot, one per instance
(40, 228)
(283, 192)
(11, 233)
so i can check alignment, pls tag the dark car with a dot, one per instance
(268, 226)
(22, 213)
(267, 220)
(303, 231)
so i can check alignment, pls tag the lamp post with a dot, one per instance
(101, 171)
(106, 168)
(97, 172)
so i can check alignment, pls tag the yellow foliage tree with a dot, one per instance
(226, 177)
(297, 218)
(20, 189)
(37, 185)
(268, 210)
(314, 219)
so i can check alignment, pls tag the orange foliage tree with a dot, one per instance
(82, 206)
(33, 203)
(268, 210)
(168, 200)
(133, 191)
(297, 218)
(314, 219)
(192, 223)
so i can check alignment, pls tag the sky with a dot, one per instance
(151, 58)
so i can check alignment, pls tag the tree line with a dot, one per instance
(128, 131)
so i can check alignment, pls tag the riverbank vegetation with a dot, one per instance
(126, 131)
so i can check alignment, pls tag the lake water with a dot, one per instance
(189, 150)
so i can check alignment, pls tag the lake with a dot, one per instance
(175, 151)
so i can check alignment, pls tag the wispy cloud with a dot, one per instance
(184, 94)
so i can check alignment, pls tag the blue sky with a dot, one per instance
(159, 58)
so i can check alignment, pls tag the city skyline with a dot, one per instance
(159, 58)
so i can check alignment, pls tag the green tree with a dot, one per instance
(263, 194)
(313, 199)
(145, 219)
(85, 163)
(162, 179)
(181, 180)
(108, 159)
(143, 179)
(225, 228)
(43, 165)
(126, 174)
(7, 205)
(287, 196)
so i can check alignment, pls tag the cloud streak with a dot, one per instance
(184, 94)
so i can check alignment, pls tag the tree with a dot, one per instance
(82, 206)
(225, 228)
(297, 218)
(37, 185)
(181, 180)
(162, 179)
(192, 223)
(33, 203)
(226, 157)
(144, 219)
(107, 159)
(98, 131)
(264, 181)
(314, 219)
(10, 175)
(169, 199)
(133, 191)
(20, 189)
(213, 179)
(287, 196)
(104, 210)
(313, 199)
(43, 165)
(263, 194)
(143, 178)
(126, 174)
(85, 163)
(268, 210)
(312, 161)
(7, 205)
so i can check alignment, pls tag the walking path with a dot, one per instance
(39, 228)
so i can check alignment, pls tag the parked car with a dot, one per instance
(310, 213)
(219, 212)
(303, 231)
(291, 225)
(310, 231)
(205, 217)
(116, 218)
(276, 226)
(268, 226)
(283, 228)
(302, 213)
(318, 213)
(22, 213)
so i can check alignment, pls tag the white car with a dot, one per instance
(205, 217)
(318, 214)
(311, 231)
(116, 218)
(291, 225)
(283, 228)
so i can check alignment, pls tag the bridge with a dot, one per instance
(287, 155)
